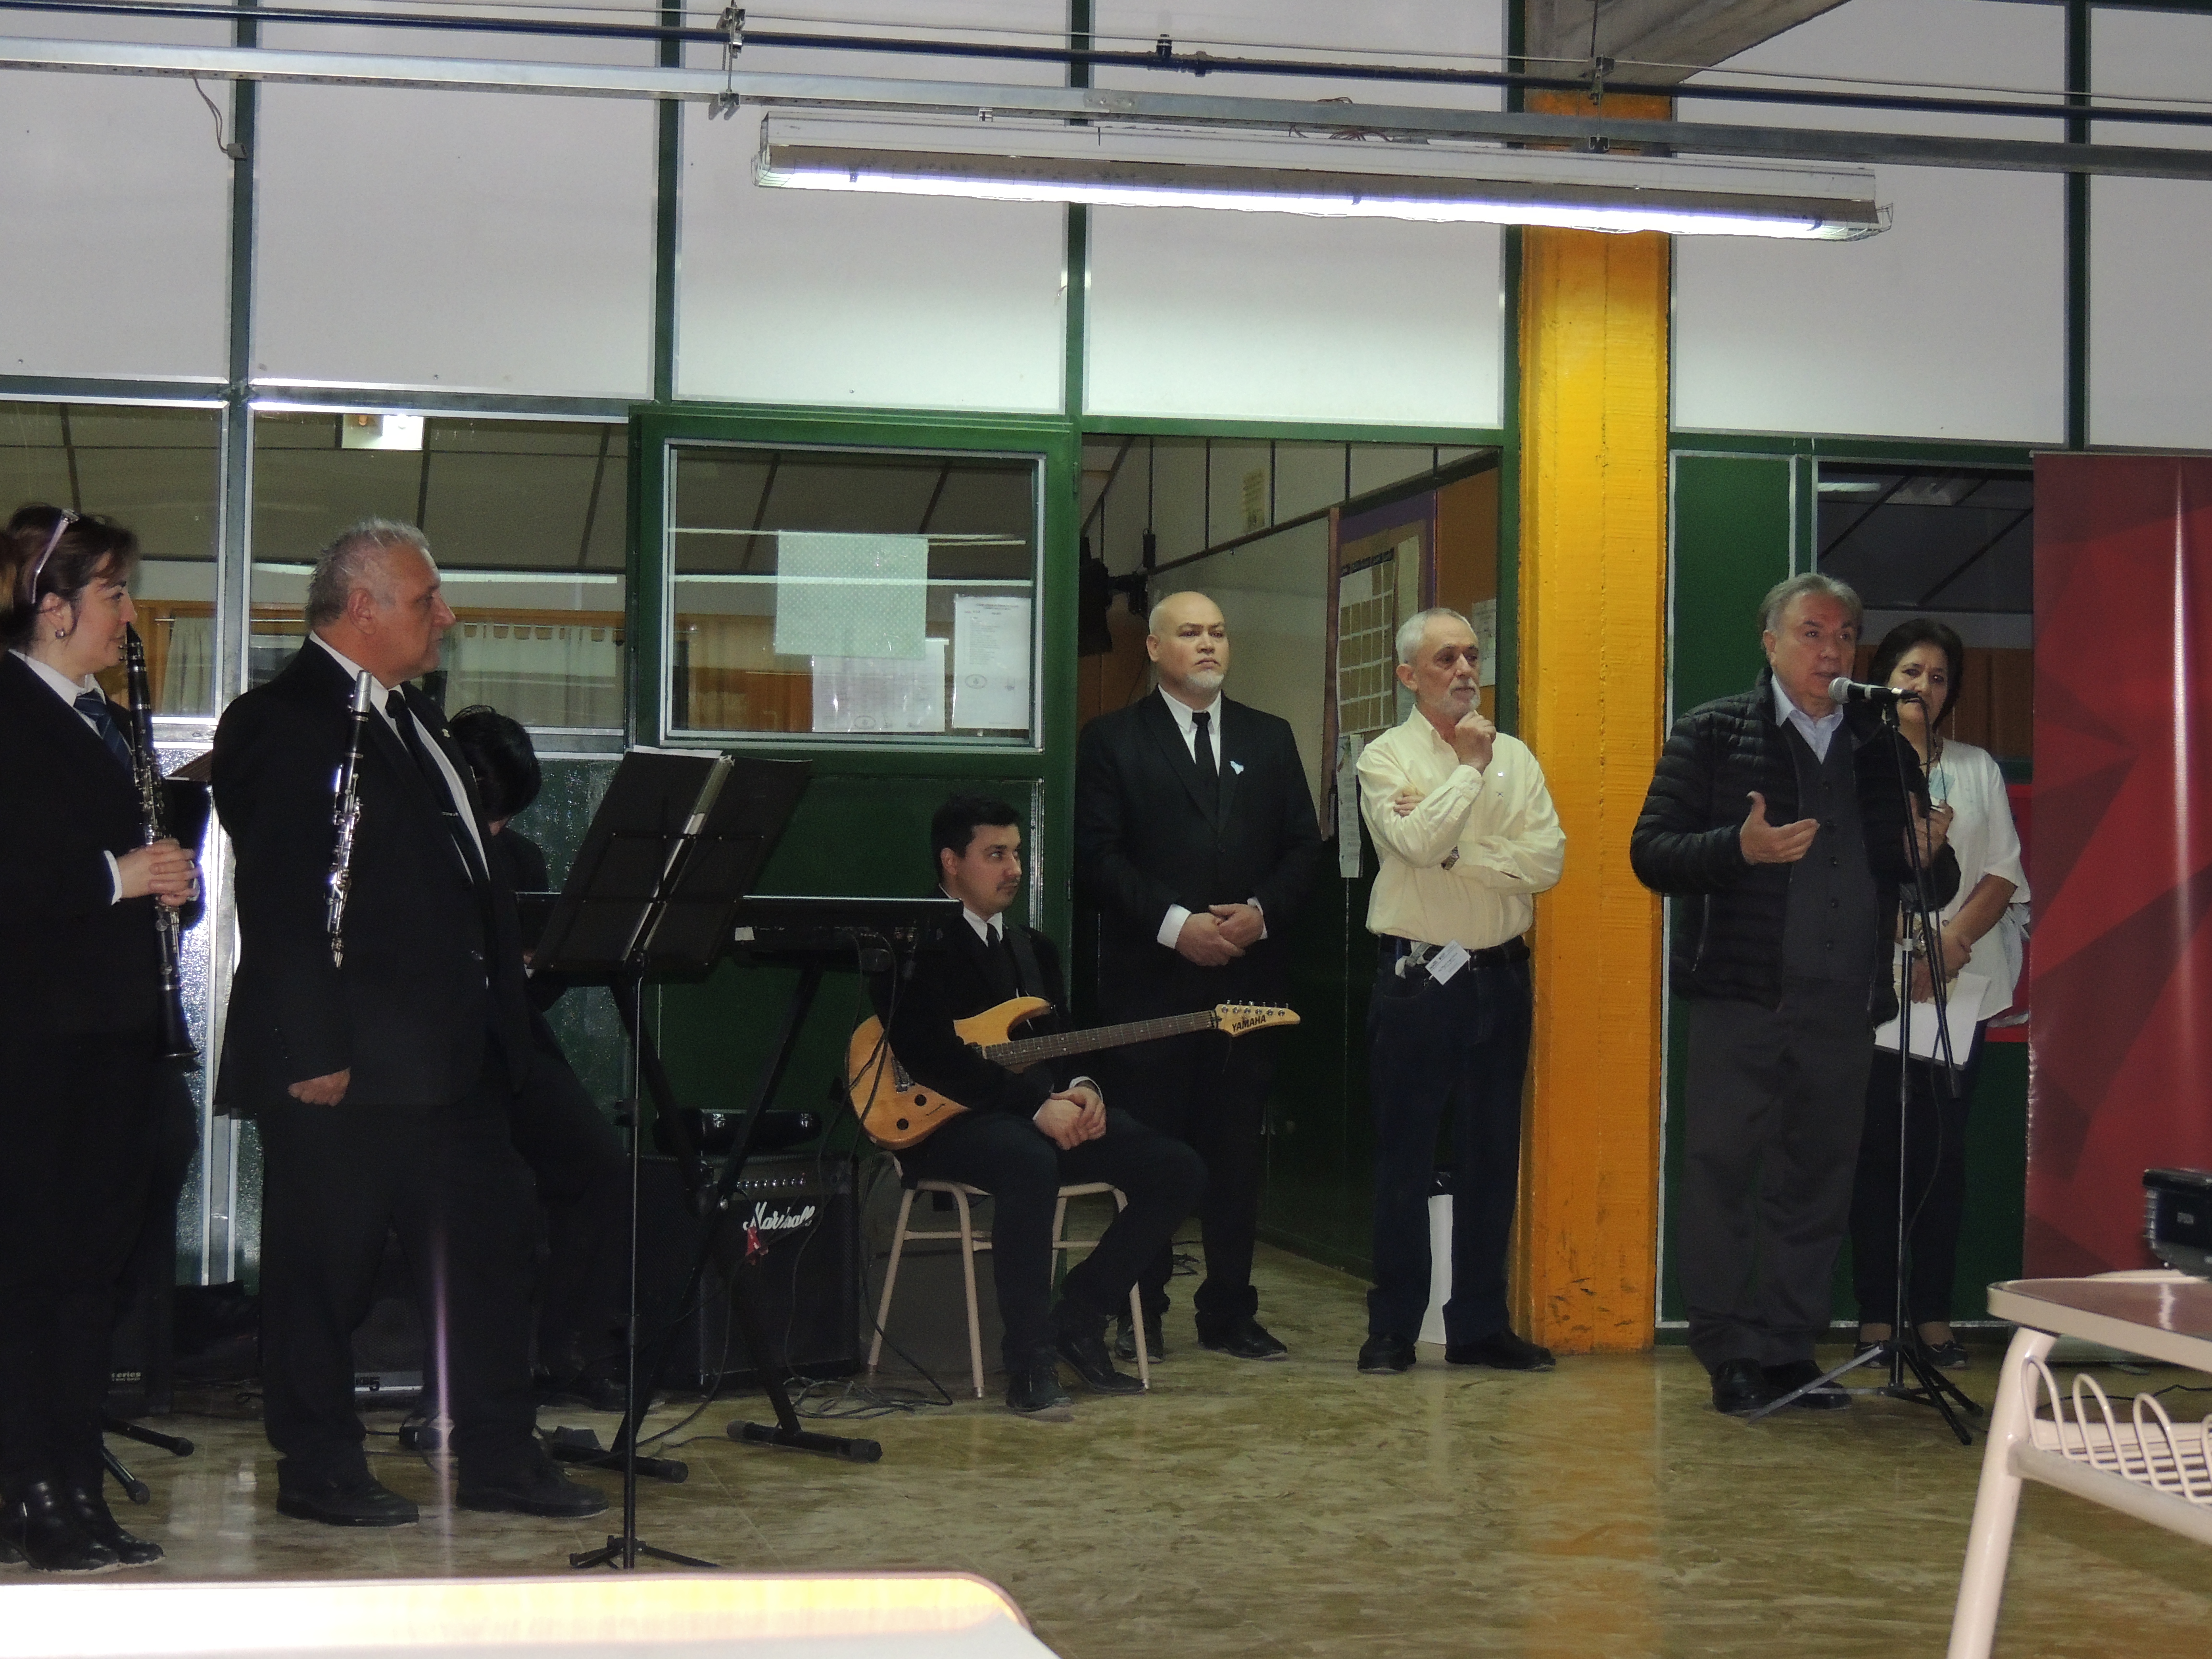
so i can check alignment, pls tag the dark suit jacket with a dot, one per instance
(952, 977)
(1143, 842)
(72, 961)
(422, 987)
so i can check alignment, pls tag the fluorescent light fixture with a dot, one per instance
(1440, 182)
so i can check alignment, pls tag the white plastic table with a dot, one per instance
(2137, 1461)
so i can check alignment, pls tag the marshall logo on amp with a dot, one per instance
(773, 1219)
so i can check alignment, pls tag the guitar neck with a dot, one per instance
(1027, 1051)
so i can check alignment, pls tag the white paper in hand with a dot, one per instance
(1963, 1012)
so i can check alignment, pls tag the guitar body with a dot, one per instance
(894, 1110)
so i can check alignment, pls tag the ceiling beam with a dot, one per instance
(1667, 40)
(967, 98)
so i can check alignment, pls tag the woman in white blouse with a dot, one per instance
(1982, 930)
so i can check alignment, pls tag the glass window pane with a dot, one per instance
(524, 519)
(156, 471)
(853, 593)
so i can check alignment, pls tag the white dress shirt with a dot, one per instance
(68, 691)
(1968, 781)
(1172, 924)
(1816, 732)
(1464, 865)
(379, 698)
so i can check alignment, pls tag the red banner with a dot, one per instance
(2122, 876)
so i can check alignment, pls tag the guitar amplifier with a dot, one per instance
(792, 1233)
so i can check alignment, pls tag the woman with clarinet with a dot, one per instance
(82, 985)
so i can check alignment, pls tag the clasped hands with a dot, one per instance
(1072, 1116)
(1786, 843)
(1218, 935)
(165, 870)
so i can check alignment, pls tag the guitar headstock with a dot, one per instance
(1238, 1017)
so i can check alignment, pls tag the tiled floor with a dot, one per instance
(1300, 1508)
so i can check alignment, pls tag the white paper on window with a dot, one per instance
(839, 595)
(990, 663)
(881, 694)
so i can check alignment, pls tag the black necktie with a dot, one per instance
(1209, 775)
(410, 733)
(93, 705)
(1003, 953)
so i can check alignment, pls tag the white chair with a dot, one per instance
(970, 1242)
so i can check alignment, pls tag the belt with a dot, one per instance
(1410, 955)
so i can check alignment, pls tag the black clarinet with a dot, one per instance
(153, 826)
(345, 817)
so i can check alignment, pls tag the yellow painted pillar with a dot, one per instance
(1593, 342)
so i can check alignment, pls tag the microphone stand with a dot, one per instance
(1903, 1353)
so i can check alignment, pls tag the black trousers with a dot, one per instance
(1210, 1092)
(1935, 1188)
(80, 1116)
(447, 1179)
(1454, 1053)
(1772, 1115)
(1012, 1159)
(583, 1186)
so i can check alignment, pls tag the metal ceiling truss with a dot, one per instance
(993, 99)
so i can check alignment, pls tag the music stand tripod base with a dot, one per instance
(622, 1552)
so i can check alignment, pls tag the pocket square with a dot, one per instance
(1237, 767)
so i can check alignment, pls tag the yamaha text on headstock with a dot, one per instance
(898, 1112)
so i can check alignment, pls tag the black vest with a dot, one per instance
(1829, 928)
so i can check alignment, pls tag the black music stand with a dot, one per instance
(678, 838)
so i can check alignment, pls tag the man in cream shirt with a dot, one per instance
(1464, 827)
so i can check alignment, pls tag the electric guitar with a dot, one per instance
(897, 1112)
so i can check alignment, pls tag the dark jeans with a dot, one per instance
(80, 1120)
(1935, 1188)
(1452, 1053)
(449, 1182)
(1012, 1159)
(1771, 1113)
(1210, 1092)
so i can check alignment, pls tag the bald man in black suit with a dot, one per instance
(1196, 839)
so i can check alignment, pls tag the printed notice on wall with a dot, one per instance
(881, 694)
(990, 663)
(851, 596)
(1482, 616)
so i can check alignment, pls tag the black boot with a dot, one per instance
(40, 1524)
(1078, 1336)
(1033, 1388)
(89, 1504)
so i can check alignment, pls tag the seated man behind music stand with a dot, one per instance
(1027, 1134)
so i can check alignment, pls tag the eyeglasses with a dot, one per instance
(54, 540)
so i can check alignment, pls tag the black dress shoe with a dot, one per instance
(1783, 1379)
(89, 1504)
(1380, 1356)
(1951, 1356)
(1034, 1390)
(1078, 1336)
(1125, 1340)
(1739, 1387)
(1501, 1351)
(344, 1500)
(1243, 1338)
(42, 1526)
(534, 1485)
(10, 1555)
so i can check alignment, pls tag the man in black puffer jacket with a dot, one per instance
(1779, 815)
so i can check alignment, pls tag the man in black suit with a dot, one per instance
(1194, 837)
(381, 1086)
(1026, 1133)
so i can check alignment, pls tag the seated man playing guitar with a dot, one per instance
(1026, 1133)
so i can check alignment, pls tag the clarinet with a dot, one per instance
(345, 790)
(153, 825)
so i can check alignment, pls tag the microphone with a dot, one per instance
(1846, 691)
